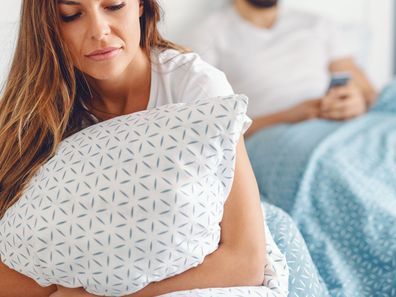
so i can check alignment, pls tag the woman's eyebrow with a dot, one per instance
(68, 2)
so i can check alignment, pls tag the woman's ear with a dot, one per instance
(141, 8)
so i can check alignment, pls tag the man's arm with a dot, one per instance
(14, 284)
(312, 108)
(304, 111)
(358, 77)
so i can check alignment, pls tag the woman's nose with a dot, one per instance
(99, 27)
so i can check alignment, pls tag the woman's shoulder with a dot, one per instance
(189, 75)
(171, 60)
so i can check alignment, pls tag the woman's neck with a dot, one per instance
(263, 18)
(125, 94)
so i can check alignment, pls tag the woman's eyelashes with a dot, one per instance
(116, 7)
(70, 18)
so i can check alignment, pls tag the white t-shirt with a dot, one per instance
(276, 68)
(184, 77)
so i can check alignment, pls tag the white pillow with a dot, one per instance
(128, 201)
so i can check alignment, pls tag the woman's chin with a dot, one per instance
(106, 74)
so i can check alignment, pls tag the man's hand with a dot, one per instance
(343, 103)
(304, 111)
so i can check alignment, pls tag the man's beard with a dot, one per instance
(263, 3)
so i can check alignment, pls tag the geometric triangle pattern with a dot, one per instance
(128, 201)
(304, 278)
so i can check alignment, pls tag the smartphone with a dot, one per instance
(339, 79)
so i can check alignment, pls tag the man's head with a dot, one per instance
(262, 3)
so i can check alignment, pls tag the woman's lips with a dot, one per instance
(104, 54)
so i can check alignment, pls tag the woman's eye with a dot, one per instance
(116, 7)
(70, 18)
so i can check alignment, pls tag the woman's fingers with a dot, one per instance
(69, 292)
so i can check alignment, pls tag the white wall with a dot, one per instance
(181, 15)
(380, 19)
(9, 15)
(374, 17)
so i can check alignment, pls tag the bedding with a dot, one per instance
(304, 279)
(338, 182)
(132, 200)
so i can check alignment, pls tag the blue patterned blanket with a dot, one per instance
(338, 182)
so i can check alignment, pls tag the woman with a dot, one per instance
(82, 61)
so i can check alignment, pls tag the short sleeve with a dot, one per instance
(338, 44)
(245, 120)
(202, 80)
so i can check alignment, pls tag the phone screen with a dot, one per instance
(338, 80)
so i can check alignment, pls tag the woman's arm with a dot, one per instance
(240, 258)
(14, 284)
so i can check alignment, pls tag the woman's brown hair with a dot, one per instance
(42, 98)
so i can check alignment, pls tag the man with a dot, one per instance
(283, 61)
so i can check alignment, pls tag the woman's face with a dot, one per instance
(103, 36)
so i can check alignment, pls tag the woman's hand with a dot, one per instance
(67, 292)
(15, 284)
(343, 103)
